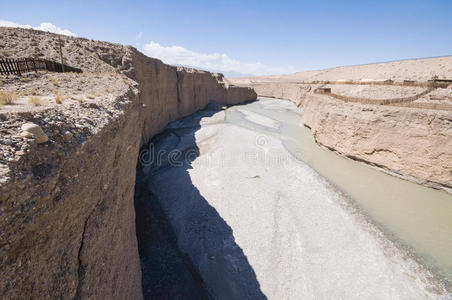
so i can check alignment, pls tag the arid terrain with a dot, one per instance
(68, 150)
(396, 116)
(418, 70)
(256, 222)
(239, 201)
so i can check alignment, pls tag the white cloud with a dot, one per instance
(177, 55)
(45, 26)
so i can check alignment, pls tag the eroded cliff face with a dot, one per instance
(170, 93)
(409, 136)
(290, 91)
(411, 143)
(67, 213)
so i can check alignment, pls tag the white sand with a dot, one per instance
(295, 230)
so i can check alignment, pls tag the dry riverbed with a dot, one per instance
(251, 220)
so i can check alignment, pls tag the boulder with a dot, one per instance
(32, 130)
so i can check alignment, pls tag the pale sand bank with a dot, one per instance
(255, 221)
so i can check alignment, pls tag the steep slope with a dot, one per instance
(395, 116)
(67, 215)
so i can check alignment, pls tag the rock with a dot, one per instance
(93, 105)
(412, 142)
(67, 136)
(32, 130)
(68, 238)
(213, 105)
(26, 134)
(6, 141)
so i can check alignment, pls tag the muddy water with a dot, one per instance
(417, 217)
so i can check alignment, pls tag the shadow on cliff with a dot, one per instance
(187, 250)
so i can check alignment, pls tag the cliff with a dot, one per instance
(67, 214)
(393, 116)
(415, 144)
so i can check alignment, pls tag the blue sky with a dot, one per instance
(253, 37)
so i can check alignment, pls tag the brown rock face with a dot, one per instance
(67, 213)
(68, 218)
(411, 135)
(289, 91)
(170, 93)
(409, 142)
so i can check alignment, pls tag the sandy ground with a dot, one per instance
(255, 222)
(380, 81)
(77, 52)
(85, 103)
(414, 69)
(374, 91)
(38, 91)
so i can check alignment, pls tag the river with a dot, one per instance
(257, 209)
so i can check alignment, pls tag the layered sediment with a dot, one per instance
(415, 144)
(67, 212)
(396, 116)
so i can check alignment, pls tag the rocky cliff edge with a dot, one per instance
(68, 151)
(396, 116)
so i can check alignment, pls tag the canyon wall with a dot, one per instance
(411, 138)
(170, 93)
(409, 142)
(289, 91)
(66, 206)
(413, 143)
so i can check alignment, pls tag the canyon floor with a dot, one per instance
(252, 221)
(396, 116)
(225, 203)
